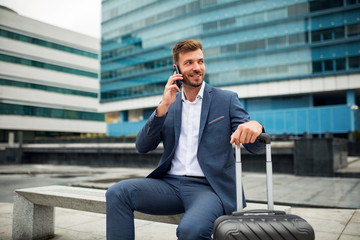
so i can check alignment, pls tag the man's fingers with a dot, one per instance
(174, 87)
(232, 139)
(237, 142)
(235, 139)
(253, 138)
(246, 133)
(242, 138)
(250, 137)
(173, 78)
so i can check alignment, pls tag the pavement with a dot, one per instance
(330, 205)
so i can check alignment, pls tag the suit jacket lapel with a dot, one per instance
(206, 102)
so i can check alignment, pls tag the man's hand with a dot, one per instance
(169, 95)
(246, 133)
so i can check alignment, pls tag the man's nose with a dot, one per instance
(196, 67)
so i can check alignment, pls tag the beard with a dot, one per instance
(186, 80)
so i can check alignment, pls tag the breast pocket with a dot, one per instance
(216, 120)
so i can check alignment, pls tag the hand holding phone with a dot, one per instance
(176, 69)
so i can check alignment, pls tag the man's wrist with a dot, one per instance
(161, 110)
(260, 125)
(262, 128)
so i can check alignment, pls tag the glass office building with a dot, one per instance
(49, 80)
(295, 64)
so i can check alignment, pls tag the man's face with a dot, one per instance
(192, 67)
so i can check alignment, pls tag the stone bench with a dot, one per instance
(33, 214)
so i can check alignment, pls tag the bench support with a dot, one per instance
(32, 221)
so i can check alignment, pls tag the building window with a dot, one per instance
(328, 34)
(351, 2)
(298, 9)
(328, 65)
(353, 30)
(43, 43)
(124, 93)
(123, 50)
(228, 49)
(332, 98)
(135, 115)
(354, 62)
(13, 109)
(210, 26)
(276, 14)
(277, 42)
(6, 82)
(317, 67)
(340, 64)
(212, 52)
(297, 39)
(252, 46)
(228, 22)
(137, 68)
(339, 32)
(205, 3)
(320, 5)
(49, 66)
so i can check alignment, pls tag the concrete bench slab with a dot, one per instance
(33, 213)
(34, 209)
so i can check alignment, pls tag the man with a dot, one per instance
(196, 173)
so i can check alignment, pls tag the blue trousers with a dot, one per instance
(165, 196)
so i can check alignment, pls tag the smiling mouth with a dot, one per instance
(196, 76)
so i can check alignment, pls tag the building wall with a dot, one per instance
(298, 49)
(49, 78)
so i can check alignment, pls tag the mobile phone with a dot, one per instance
(176, 69)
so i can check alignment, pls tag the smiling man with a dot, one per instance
(196, 173)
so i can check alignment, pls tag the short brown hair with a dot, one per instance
(185, 46)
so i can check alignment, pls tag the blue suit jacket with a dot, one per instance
(221, 114)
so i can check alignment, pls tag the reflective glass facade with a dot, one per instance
(44, 43)
(245, 42)
(33, 111)
(44, 65)
(5, 82)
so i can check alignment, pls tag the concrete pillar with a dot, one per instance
(31, 221)
(350, 100)
(11, 139)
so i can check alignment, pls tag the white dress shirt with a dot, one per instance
(185, 160)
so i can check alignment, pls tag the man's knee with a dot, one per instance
(191, 231)
(118, 192)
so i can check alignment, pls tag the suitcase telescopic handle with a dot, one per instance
(239, 200)
(264, 137)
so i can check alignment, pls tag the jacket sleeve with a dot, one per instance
(149, 137)
(239, 116)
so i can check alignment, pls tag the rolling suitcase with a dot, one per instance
(260, 224)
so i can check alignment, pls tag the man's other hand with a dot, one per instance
(246, 133)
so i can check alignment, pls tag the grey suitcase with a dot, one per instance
(262, 224)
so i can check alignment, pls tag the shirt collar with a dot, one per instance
(199, 95)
